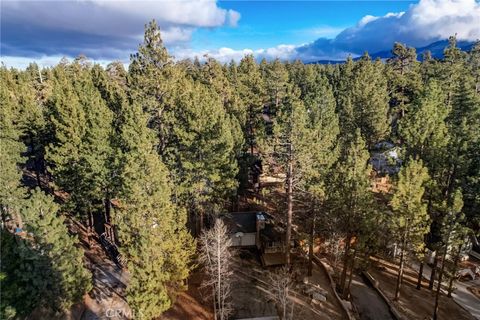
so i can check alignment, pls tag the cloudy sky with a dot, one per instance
(106, 30)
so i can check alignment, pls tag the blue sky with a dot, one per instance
(106, 30)
(270, 23)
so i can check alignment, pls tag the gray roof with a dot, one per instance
(245, 222)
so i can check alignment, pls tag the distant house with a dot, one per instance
(385, 158)
(257, 230)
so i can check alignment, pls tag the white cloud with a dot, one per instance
(44, 61)
(176, 34)
(420, 25)
(442, 18)
(100, 29)
(423, 23)
(324, 31)
(105, 29)
(233, 17)
(224, 55)
(109, 17)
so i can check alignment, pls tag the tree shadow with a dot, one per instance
(29, 280)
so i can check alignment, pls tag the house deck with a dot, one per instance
(273, 259)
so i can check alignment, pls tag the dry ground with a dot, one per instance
(253, 295)
(413, 303)
(190, 304)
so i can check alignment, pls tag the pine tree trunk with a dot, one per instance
(219, 278)
(420, 275)
(450, 287)
(311, 244)
(402, 261)
(37, 173)
(432, 276)
(345, 263)
(90, 227)
(251, 130)
(347, 289)
(107, 209)
(440, 275)
(289, 210)
(455, 266)
(201, 221)
(399, 277)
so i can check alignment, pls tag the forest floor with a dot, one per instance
(414, 304)
(190, 304)
(253, 295)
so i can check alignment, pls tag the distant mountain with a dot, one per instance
(435, 48)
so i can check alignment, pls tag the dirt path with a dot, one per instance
(106, 300)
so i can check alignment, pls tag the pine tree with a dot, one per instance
(31, 94)
(425, 135)
(410, 220)
(369, 99)
(276, 84)
(353, 199)
(463, 125)
(152, 79)
(450, 228)
(404, 81)
(215, 76)
(66, 125)
(453, 65)
(251, 89)
(96, 148)
(423, 129)
(151, 229)
(11, 148)
(342, 79)
(44, 268)
(202, 152)
(285, 147)
(474, 64)
(317, 146)
(461, 169)
(50, 234)
(81, 125)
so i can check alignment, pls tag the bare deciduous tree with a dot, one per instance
(217, 258)
(281, 282)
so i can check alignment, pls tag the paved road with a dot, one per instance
(466, 299)
(369, 304)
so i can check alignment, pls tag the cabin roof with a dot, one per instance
(245, 222)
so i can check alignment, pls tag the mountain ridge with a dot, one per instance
(436, 49)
